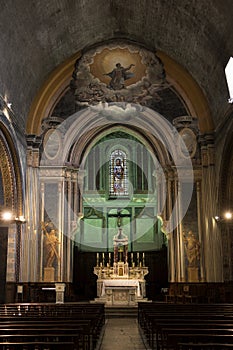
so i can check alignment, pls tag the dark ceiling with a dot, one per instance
(37, 36)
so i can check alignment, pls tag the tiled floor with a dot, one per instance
(122, 334)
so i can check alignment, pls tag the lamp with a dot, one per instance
(226, 217)
(7, 216)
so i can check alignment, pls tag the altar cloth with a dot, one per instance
(121, 283)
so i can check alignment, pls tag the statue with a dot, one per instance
(51, 243)
(192, 248)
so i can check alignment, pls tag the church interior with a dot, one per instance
(116, 156)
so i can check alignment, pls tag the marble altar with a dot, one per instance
(121, 283)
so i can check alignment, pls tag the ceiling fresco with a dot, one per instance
(121, 72)
(118, 72)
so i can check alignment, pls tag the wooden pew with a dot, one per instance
(157, 321)
(204, 346)
(193, 338)
(36, 345)
(165, 329)
(80, 326)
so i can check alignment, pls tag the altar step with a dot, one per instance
(120, 312)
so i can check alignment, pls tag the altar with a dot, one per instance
(121, 279)
(123, 284)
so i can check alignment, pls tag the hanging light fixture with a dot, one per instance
(229, 78)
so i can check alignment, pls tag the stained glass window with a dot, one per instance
(118, 174)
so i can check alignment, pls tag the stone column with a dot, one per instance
(171, 243)
(30, 237)
(81, 175)
(61, 207)
(200, 231)
(67, 228)
(176, 235)
(41, 235)
(75, 193)
(211, 234)
(180, 233)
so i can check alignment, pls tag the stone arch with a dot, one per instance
(88, 140)
(11, 174)
(84, 125)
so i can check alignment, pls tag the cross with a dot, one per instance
(119, 216)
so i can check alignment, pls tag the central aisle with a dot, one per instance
(122, 333)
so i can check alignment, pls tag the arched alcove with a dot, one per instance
(10, 173)
(11, 202)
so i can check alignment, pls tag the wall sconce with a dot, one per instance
(21, 219)
(7, 216)
(226, 217)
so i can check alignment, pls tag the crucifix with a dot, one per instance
(120, 240)
(119, 216)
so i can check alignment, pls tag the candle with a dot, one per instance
(137, 255)
(103, 256)
(132, 256)
(143, 255)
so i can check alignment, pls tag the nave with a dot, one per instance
(122, 333)
(116, 175)
(92, 326)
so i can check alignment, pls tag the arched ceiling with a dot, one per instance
(38, 36)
